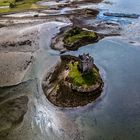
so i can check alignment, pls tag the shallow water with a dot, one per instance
(131, 27)
(124, 6)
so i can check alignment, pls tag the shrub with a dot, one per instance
(12, 5)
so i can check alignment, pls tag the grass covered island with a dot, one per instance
(74, 82)
(77, 37)
(72, 38)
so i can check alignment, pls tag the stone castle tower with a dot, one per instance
(86, 63)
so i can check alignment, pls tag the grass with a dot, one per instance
(77, 34)
(79, 79)
(5, 2)
(20, 6)
(77, 37)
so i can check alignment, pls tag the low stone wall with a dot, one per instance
(91, 89)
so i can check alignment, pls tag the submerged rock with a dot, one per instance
(122, 15)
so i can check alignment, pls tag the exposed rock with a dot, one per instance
(19, 39)
(91, 12)
(106, 28)
(122, 15)
(15, 44)
(108, 2)
(12, 113)
(73, 38)
(83, 12)
(1, 25)
(84, 1)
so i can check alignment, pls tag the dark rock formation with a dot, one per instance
(12, 113)
(122, 15)
(15, 44)
(2, 25)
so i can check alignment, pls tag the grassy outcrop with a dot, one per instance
(79, 79)
(77, 37)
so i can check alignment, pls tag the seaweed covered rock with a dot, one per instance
(12, 114)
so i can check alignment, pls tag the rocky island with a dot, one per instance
(74, 38)
(75, 82)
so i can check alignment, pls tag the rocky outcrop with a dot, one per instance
(1, 25)
(73, 38)
(12, 113)
(15, 44)
(122, 15)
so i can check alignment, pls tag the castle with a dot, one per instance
(86, 63)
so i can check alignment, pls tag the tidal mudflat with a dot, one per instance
(27, 33)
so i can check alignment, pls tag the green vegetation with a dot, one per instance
(12, 5)
(79, 79)
(4, 2)
(77, 37)
(20, 5)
